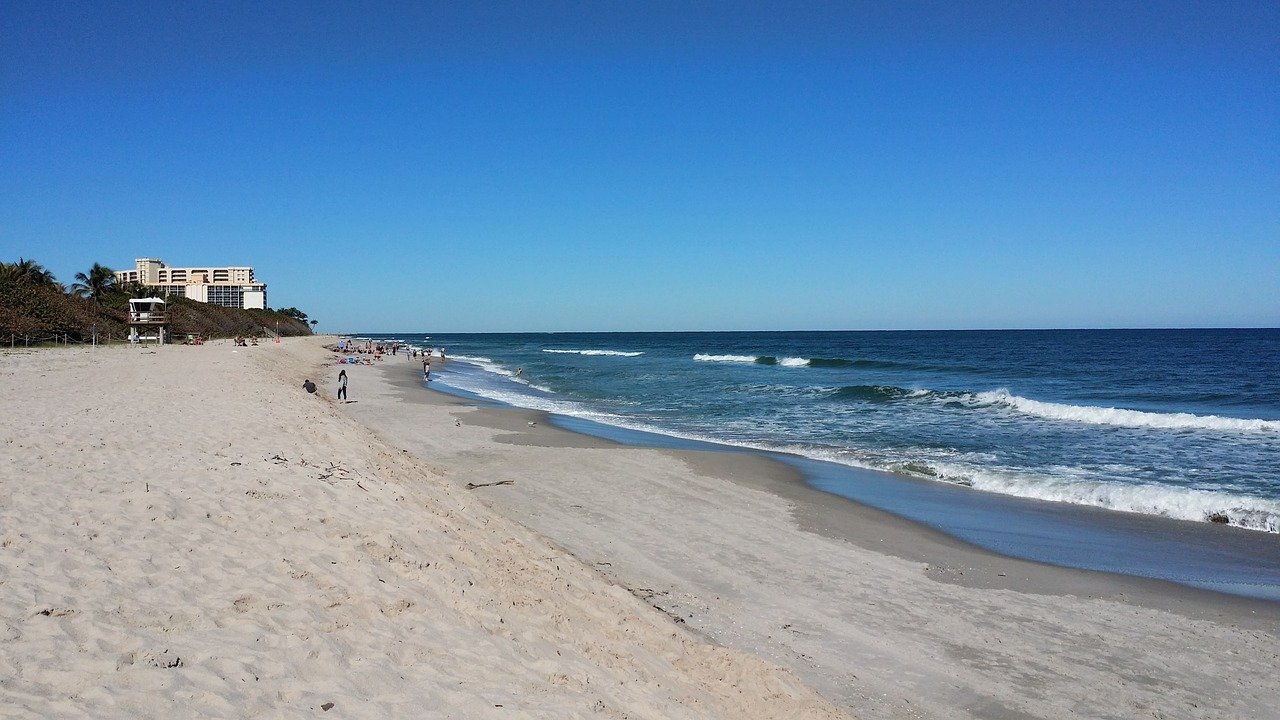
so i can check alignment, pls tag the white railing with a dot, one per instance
(150, 317)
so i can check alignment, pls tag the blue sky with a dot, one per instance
(661, 166)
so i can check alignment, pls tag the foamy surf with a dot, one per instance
(1088, 414)
(705, 357)
(1124, 418)
(1178, 503)
(1148, 499)
(793, 362)
(610, 353)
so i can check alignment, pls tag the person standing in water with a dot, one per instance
(342, 384)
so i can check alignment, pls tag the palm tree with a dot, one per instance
(99, 281)
(28, 271)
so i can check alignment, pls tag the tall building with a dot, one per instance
(227, 286)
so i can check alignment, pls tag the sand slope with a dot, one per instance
(185, 533)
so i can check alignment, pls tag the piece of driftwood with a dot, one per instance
(473, 486)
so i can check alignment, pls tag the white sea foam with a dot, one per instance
(1175, 502)
(617, 353)
(792, 362)
(1070, 485)
(490, 366)
(486, 364)
(1123, 418)
(703, 357)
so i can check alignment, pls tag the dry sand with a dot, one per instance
(184, 532)
(187, 533)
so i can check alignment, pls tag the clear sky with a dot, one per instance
(597, 165)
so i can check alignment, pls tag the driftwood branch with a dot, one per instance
(473, 486)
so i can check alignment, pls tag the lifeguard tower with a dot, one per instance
(148, 320)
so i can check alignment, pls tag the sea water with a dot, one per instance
(1181, 424)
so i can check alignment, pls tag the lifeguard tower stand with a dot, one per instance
(148, 320)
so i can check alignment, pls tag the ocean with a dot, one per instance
(1177, 424)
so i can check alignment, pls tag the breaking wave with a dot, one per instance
(1179, 503)
(1087, 414)
(616, 353)
(1120, 417)
(703, 357)
(774, 360)
(489, 365)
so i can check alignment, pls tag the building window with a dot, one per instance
(226, 296)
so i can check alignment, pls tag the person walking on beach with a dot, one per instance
(342, 384)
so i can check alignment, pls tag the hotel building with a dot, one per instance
(227, 286)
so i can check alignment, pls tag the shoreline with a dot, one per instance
(792, 477)
(1231, 560)
(835, 553)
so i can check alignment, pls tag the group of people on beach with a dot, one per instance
(368, 348)
(346, 346)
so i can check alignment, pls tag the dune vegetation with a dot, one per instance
(36, 308)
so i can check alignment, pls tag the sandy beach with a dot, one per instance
(186, 532)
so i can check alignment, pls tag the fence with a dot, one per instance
(28, 340)
(63, 339)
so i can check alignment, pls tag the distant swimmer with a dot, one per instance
(519, 372)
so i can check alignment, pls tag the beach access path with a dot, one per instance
(185, 532)
(887, 618)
